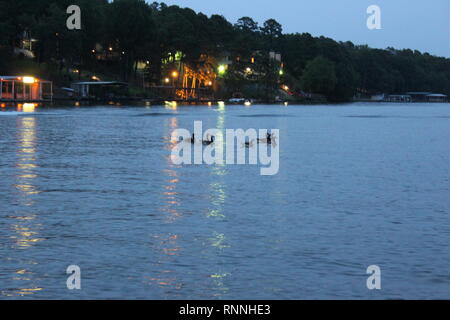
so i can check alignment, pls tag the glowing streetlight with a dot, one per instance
(166, 80)
(175, 74)
(222, 69)
(28, 80)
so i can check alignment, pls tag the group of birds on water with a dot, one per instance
(248, 144)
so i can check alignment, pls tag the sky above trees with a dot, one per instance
(416, 24)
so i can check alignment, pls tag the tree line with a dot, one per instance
(142, 31)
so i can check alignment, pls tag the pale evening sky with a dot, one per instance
(415, 24)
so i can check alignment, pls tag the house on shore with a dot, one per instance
(427, 97)
(24, 47)
(99, 89)
(25, 89)
(399, 98)
(424, 97)
(437, 97)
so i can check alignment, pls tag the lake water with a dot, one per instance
(358, 185)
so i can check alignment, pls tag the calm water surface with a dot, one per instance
(359, 185)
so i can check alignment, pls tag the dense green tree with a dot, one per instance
(272, 32)
(247, 24)
(320, 76)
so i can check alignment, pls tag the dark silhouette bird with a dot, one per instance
(208, 142)
(267, 140)
(190, 140)
(248, 144)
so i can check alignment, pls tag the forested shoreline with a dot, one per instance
(140, 31)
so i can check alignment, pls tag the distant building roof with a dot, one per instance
(101, 83)
(437, 95)
(20, 78)
(419, 93)
(9, 77)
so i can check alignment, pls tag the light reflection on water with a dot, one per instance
(216, 212)
(97, 187)
(26, 226)
(167, 244)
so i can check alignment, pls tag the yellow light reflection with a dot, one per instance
(219, 241)
(169, 193)
(167, 245)
(29, 107)
(171, 105)
(26, 152)
(217, 190)
(26, 227)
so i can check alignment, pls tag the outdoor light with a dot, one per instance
(281, 72)
(248, 70)
(28, 80)
(174, 74)
(29, 107)
(166, 80)
(222, 69)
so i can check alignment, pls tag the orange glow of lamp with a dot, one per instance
(28, 80)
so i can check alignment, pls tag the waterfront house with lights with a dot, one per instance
(25, 89)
